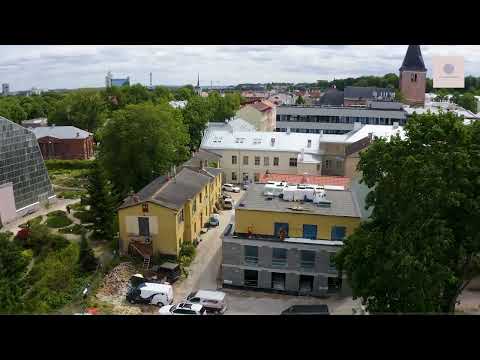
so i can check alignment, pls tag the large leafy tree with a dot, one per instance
(11, 108)
(196, 115)
(420, 247)
(102, 202)
(140, 143)
(86, 258)
(13, 266)
(84, 109)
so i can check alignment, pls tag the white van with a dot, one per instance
(150, 293)
(209, 299)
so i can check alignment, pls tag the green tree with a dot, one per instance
(86, 259)
(102, 203)
(184, 93)
(196, 115)
(140, 143)
(11, 109)
(467, 101)
(420, 247)
(84, 109)
(300, 100)
(13, 266)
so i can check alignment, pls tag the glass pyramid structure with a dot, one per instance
(21, 163)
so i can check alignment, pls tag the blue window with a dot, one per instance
(279, 227)
(309, 231)
(338, 233)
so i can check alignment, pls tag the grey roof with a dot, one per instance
(236, 124)
(60, 132)
(341, 111)
(367, 92)
(202, 155)
(343, 203)
(360, 191)
(172, 193)
(384, 105)
(413, 60)
(331, 97)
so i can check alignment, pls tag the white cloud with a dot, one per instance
(84, 65)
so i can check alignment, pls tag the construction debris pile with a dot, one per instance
(116, 281)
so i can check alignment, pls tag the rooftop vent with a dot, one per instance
(288, 130)
(395, 125)
(272, 141)
(309, 143)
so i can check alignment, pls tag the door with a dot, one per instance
(279, 227)
(309, 231)
(143, 226)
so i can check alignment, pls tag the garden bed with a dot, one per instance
(58, 219)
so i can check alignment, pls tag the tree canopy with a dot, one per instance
(140, 143)
(419, 249)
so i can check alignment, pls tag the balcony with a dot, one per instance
(279, 263)
(307, 265)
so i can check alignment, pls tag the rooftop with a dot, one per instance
(341, 111)
(366, 92)
(60, 132)
(413, 60)
(342, 203)
(236, 124)
(262, 105)
(307, 179)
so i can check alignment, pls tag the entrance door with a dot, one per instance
(143, 226)
(279, 227)
(309, 231)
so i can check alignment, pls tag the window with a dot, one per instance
(279, 257)
(250, 278)
(339, 164)
(307, 259)
(245, 176)
(318, 167)
(266, 161)
(310, 231)
(251, 255)
(234, 176)
(338, 233)
(331, 265)
(245, 160)
(293, 162)
(256, 177)
(234, 159)
(328, 164)
(257, 160)
(334, 284)
(278, 281)
(309, 143)
(281, 229)
(145, 207)
(143, 226)
(194, 206)
(275, 161)
(181, 217)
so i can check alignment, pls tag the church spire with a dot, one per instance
(198, 80)
(413, 60)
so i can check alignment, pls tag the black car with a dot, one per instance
(321, 309)
(169, 271)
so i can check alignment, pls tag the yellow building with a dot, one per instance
(169, 211)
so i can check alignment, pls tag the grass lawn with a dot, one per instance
(58, 219)
(74, 229)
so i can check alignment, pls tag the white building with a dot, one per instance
(437, 107)
(178, 104)
(246, 156)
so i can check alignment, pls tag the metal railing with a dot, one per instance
(252, 260)
(308, 265)
(251, 283)
(279, 262)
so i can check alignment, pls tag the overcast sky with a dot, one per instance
(24, 67)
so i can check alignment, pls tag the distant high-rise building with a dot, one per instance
(413, 77)
(5, 89)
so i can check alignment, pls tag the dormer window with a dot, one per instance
(309, 143)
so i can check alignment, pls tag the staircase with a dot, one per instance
(146, 262)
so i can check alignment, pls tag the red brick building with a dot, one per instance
(64, 142)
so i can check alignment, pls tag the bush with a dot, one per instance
(57, 213)
(35, 221)
(187, 249)
(76, 229)
(41, 241)
(58, 221)
(70, 194)
(84, 216)
(78, 207)
(68, 164)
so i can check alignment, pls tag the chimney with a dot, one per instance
(78, 134)
(321, 133)
(309, 143)
(288, 131)
(395, 125)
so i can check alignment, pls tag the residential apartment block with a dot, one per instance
(289, 246)
(170, 210)
(247, 156)
(337, 120)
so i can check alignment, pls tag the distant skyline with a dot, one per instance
(75, 66)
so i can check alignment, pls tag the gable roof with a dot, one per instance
(262, 105)
(413, 60)
(60, 132)
(332, 97)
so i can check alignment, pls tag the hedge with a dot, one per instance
(68, 164)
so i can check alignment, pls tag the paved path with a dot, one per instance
(60, 204)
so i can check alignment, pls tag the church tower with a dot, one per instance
(413, 77)
(198, 89)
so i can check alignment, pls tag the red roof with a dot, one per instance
(262, 105)
(307, 179)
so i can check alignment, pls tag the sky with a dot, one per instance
(74, 66)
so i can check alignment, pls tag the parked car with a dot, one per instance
(228, 204)
(321, 309)
(149, 293)
(183, 308)
(209, 299)
(226, 196)
(214, 220)
(231, 188)
(168, 271)
(245, 187)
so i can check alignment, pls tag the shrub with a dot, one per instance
(78, 207)
(58, 221)
(35, 221)
(187, 249)
(70, 194)
(68, 164)
(87, 260)
(84, 216)
(42, 241)
(57, 213)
